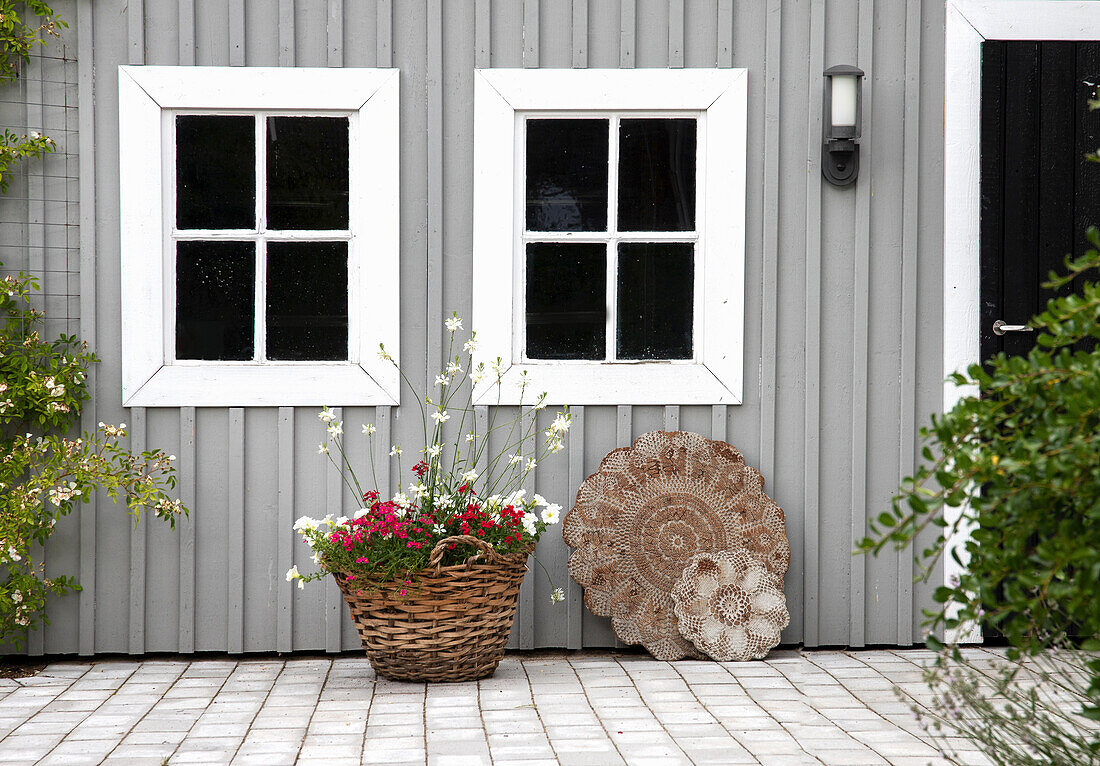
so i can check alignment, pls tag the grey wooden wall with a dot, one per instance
(844, 304)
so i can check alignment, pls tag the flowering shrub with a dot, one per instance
(17, 39)
(448, 495)
(44, 473)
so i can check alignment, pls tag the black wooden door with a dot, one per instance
(1038, 192)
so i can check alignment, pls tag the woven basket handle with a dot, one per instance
(484, 549)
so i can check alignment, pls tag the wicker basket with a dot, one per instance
(452, 622)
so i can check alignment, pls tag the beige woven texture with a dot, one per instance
(730, 606)
(451, 623)
(650, 508)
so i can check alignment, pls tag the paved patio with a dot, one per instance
(811, 707)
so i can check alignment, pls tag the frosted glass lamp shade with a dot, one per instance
(844, 100)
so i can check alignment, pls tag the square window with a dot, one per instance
(302, 286)
(613, 266)
(570, 184)
(270, 194)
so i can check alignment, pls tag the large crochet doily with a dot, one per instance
(647, 511)
(730, 606)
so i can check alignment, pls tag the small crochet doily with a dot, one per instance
(730, 606)
(647, 511)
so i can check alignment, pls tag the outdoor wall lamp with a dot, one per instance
(843, 107)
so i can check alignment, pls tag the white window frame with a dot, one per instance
(149, 99)
(718, 99)
(968, 24)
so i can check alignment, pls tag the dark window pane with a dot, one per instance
(215, 300)
(566, 300)
(307, 173)
(567, 175)
(307, 300)
(655, 300)
(215, 172)
(657, 175)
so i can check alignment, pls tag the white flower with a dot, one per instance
(470, 346)
(13, 553)
(470, 437)
(418, 489)
(453, 324)
(469, 476)
(16, 596)
(531, 464)
(453, 369)
(35, 134)
(560, 424)
(434, 450)
(540, 500)
(529, 521)
(441, 416)
(513, 459)
(477, 373)
(335, 430)
(441, 380)
(369, 429)
(328, 520)
(305, 523)
(301, 584)
(322, 449)
(401, 498)
(341, 521)
(361, 513)
(293, 574)
(316, 558)
(171, 458)
(395, 451)
(439, 529)
(550, 515)
(121, 425)
(557, 595)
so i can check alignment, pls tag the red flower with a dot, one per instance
(420, 469)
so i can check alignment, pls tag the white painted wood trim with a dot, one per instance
(269, 385)
(149, 378)
(140, 202)
(722, 97)
(608, 89)
(659, 383)
(250, 88)
(1030, 19)
(968, 24)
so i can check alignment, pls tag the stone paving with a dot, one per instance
(578, 709)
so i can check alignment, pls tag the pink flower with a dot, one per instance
(362, 560)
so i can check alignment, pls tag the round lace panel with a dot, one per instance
(730, 606)
(650, 508)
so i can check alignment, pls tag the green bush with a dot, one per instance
(1019, 460)
(43, 472)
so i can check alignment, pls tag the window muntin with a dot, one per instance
(610, 204)
(281, 291)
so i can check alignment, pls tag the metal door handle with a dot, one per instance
(1000, 328)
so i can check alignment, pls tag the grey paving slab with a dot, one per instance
(577, 709)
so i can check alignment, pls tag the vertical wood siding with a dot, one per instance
(843, 306)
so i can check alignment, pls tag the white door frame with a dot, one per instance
(968, 24)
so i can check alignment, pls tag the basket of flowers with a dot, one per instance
(431, 575)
